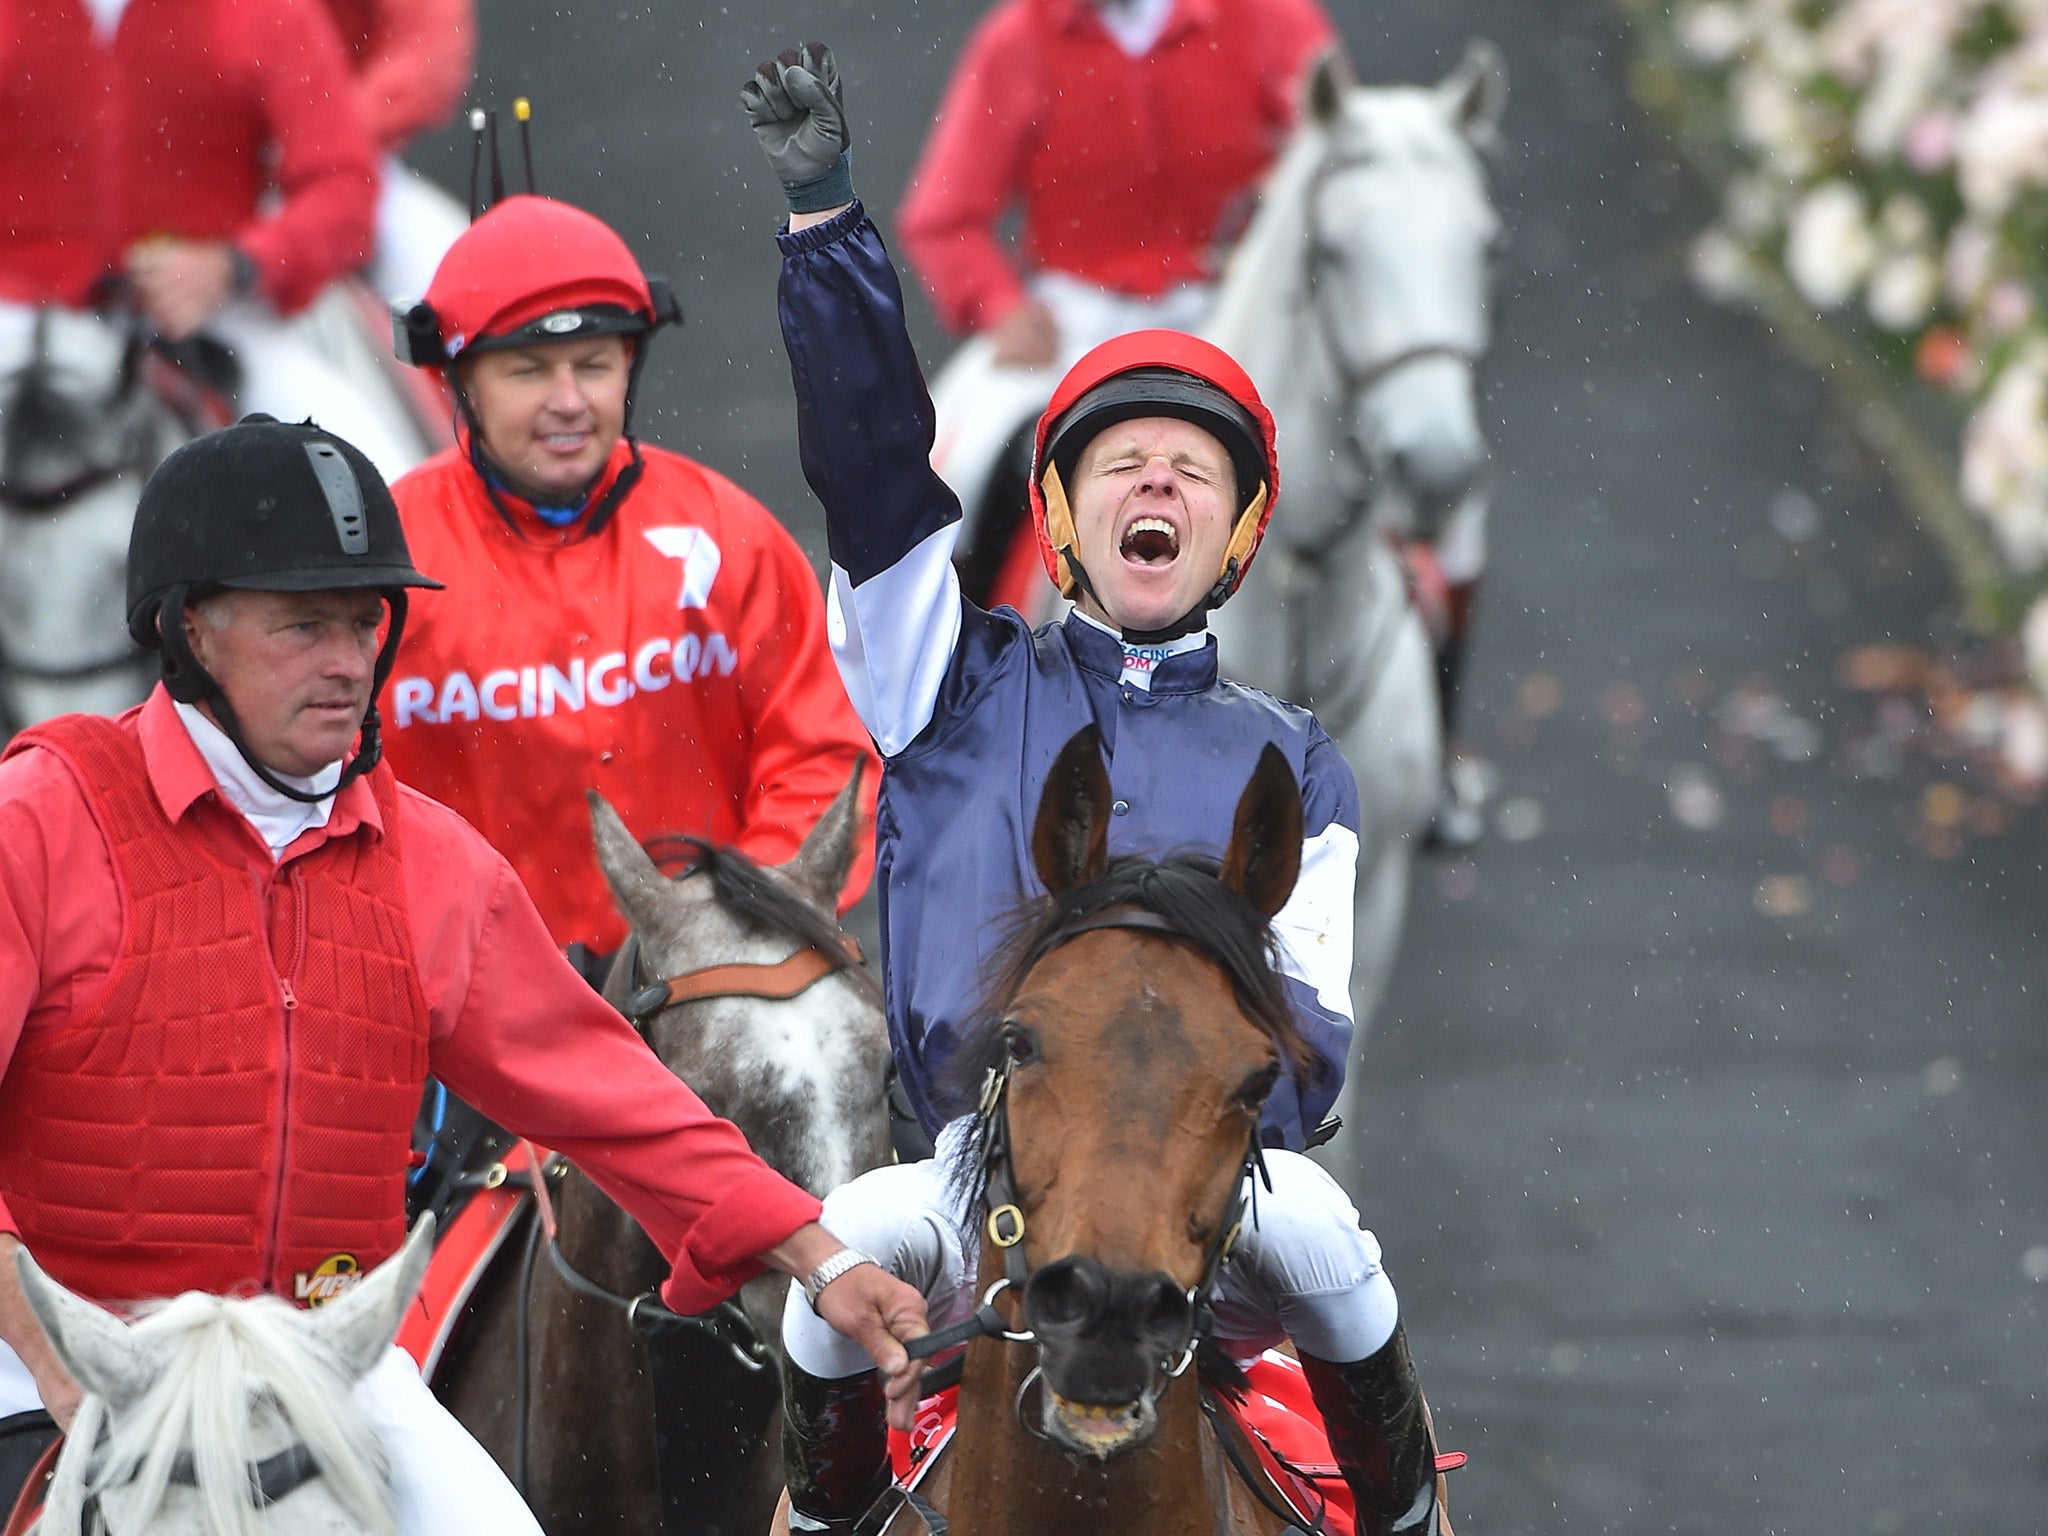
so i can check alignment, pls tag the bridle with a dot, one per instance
(271, 1480)
(777, 982)
(1004, 1219)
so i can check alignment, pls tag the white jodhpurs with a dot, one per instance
(416, 223)
(1304, 1270)
(443, 1482)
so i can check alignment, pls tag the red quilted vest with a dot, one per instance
(233, 1112)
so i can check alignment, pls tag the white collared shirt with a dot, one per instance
(278, 819)
(1135, 24)
(1141, 660)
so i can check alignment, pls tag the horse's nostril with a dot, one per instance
(1167, 1311)
(1065, 1294)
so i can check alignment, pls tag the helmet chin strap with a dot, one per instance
(1060, 517)
(188, 681)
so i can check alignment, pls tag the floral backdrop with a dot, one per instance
(1891, 161)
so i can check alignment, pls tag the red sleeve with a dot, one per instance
(1296, 34)
(418, 68)
(24, 902)
(970, 173)
(326, 168)
(518, 1034)
(804, 734)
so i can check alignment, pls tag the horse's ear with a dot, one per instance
(1329, 77)
(820, 866)
(1264, 856)
(1070, 839)
(358, 1325)
(95, 1346)
(644, 894)
(1476, 92)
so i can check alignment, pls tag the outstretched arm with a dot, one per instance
(864, 418)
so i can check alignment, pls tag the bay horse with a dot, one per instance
(1136, 1026)
(609, 1413)
(207, 1398)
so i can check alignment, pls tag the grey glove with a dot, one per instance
(798, 112)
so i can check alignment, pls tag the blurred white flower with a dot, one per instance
(2034, 640)
(1752, 206)
(2008, 306)
(2002, 142)
(1772, 117)
(1905, 222)
(1930, 142)
(1902, 291)
(1972, 247)
(1721, 266)
(1828, 245)
(1714, 32)
(2005, 459)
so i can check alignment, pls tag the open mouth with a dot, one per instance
(1150, 541)
(1099, 1431)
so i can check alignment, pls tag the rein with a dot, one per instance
(1004, 1222)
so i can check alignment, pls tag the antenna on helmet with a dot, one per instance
(523, 110)
(497, 164)
(476, 158)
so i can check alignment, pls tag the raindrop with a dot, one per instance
(2034, 1262)
(1565, 1359)
(1694, 797)
(1794, 516)
(1784, 896)
(1520, 819)
(1942, 1077)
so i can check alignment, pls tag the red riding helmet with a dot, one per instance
(531, 270)
(1154, 373)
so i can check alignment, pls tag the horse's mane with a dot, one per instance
(746, 890)
(1184, 890)
(209, 1350)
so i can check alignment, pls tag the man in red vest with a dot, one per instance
(1129, 135)
(619, 618)
(231, 948)
(207, 154)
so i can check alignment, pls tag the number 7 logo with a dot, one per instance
(700, 557)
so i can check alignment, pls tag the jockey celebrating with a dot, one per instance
(622, 619)
(143, 143)
(230, 951)
(1184, 104)
(411, 60)
(1158, 475)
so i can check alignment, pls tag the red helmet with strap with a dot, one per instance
(1154, 373)
(531, 270)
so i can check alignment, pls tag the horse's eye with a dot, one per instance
(1019, 1044)
(1258, 1087)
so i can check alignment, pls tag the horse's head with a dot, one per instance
(800, 1071)
(207, 1397)
(1139, 1031)
(66, 380)
(1399, 237)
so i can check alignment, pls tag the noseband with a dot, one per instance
(1004, 1222)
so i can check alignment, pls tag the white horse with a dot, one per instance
(81, 428)
(206, 1400)
(88, 408)
(1359, 302)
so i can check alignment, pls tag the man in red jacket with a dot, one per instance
(1129, 135)
(411, 60)
(144, 139)
(230, 952)
(618, 618)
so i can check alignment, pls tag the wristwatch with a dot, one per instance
(832, 1269)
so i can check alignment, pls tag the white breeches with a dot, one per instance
(443, 1482)
(416, 223)
(1089, 316)
(1305, 1270)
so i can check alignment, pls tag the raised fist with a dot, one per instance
(798, 111)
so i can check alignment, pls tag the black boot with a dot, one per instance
(835, 1447)
(1379, 1432)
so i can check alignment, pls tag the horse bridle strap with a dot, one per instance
(645, 1314)
(269, 1479)
(774, 983)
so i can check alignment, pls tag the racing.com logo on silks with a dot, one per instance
(337, 1272)
(521, 693)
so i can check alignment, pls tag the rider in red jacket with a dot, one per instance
(1128, 133)
(618, 617)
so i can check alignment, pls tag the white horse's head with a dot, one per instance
(1375, 243)
(204, 1399)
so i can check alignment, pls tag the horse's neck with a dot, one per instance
(601, 1240)
(1007, 1482)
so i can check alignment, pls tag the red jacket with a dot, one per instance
(168, 128)
(675, 661)
(412, 61)
(510, 1027)
(1127, 171)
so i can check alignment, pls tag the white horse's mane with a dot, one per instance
(213, 1356)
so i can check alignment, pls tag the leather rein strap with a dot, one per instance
(775, 983)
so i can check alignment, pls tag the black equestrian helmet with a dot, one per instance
(266, 506)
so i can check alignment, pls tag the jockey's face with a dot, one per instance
(551, 413)
(296, 668)
(1153, 502)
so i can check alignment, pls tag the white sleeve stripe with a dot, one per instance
(893, 637)
(1314, 928)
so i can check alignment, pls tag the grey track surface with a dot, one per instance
(1705, 1220)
